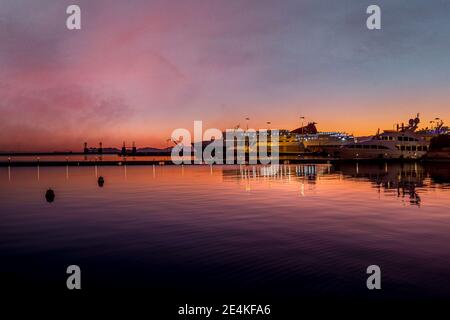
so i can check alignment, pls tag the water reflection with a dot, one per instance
(405, 179)
(295, 229)
(408, 180)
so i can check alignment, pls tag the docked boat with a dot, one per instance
(403, 143)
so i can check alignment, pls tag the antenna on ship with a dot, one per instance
(301, 124)
(133, 150)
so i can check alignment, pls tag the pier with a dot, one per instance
(22, 161)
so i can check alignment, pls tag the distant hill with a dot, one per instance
(151, 150)
(110, 150)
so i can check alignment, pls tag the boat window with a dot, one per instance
(419, 148)
(402, 148)
(425, 148)
(397, 147)
(413, 148)
(382, 147)
(408, 148)
(373, 147)
(366, 146)
(400, 138)
(358, 146)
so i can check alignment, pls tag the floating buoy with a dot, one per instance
(101, 181)
(50, 195)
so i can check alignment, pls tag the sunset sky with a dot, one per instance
(139, 69)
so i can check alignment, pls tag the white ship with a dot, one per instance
(403, 143)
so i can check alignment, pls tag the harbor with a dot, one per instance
(224, 159)
(306, 144)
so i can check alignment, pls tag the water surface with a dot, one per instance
(308, 230)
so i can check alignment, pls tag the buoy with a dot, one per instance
(101, 181)
(50, 195)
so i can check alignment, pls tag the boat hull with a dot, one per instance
(345, 153)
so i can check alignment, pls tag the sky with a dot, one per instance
(139, 69)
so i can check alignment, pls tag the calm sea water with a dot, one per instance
(308, 230)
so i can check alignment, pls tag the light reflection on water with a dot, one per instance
(301, 230)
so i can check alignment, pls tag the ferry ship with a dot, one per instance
(403, 143)
(305, 139)
(302, 140)
(312, 140)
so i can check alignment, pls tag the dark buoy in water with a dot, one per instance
(100, 181)
(50, 195)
